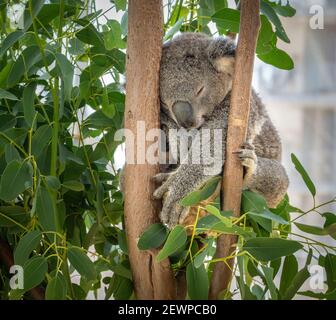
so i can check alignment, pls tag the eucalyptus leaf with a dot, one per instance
(26, 245)
(267, 249)
(82, 263)
(176, 239)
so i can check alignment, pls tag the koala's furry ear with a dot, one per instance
(221, 53)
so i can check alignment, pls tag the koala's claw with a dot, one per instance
(247, 145)
(161, 177)
(171, 213)
(160, 192)
(247, 156)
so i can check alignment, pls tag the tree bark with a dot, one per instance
(152, 280)
(237, 126)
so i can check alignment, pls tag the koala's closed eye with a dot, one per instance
(200, 91)
(190, 56)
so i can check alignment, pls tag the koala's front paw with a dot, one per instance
(172, 212)
(247, 157)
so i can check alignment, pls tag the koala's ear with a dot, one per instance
(221, 53)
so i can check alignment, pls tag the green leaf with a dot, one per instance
(28, 103)
(267, 38)
(89, 34)
(52, 182)
(10, 40)
(300, 169)
(8, 121)
(41, 139)
(269, 215)
(207, 9)
(98, 120)
(120, 4)
(108, 107)
(153, 237)
(12, 215)
(277, 58)
(319, 295)
(4, 72)
(122, 241)
(215, 212)
(46, 210)
(175, 28)
(16, 178)
(208, 251)
(22, 65)
(289, 270)
(82, 263)
(176, 239)
(73, 185)
(270, 13)
(330, 230)
(253, 202)
(124, 24)
(330, 268)
(191, 199)
(11, 153)
(7, 95)
(26, 245)
(34, 271)
(204, 193)
(298, 280)
(56, 288)
(330, 222)
(120, 287)
(122, 271)
(66, 73)
(268, 274)
(29, 14)
(227, 19)
(112, 35)
(197, 282)
(267, 249)
(285, 11)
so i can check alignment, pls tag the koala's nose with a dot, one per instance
(184, 113)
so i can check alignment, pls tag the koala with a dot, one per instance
(195, 86)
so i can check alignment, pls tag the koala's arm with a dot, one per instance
(264, 172)
(190, 176)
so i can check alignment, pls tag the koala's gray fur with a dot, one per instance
(195, 83)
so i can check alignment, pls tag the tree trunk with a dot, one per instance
(237, 127)
(152, 280)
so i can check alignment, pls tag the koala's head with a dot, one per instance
(195, 76)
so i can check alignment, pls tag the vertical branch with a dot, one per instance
(237, 127)
(152, 280)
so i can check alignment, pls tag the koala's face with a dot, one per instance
(195, 76)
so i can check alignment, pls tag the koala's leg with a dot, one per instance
(264, 176)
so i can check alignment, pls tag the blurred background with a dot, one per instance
(302, 103)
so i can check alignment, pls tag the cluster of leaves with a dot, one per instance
(264, 251)
(200, 15)
(59, 195)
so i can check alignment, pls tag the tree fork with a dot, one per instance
(152, 280)
(237, 126)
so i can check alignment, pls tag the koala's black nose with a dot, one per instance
(184, 114)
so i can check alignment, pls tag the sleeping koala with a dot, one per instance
(195, 84)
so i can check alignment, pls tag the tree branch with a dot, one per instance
(237, 127)
(152, 280)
